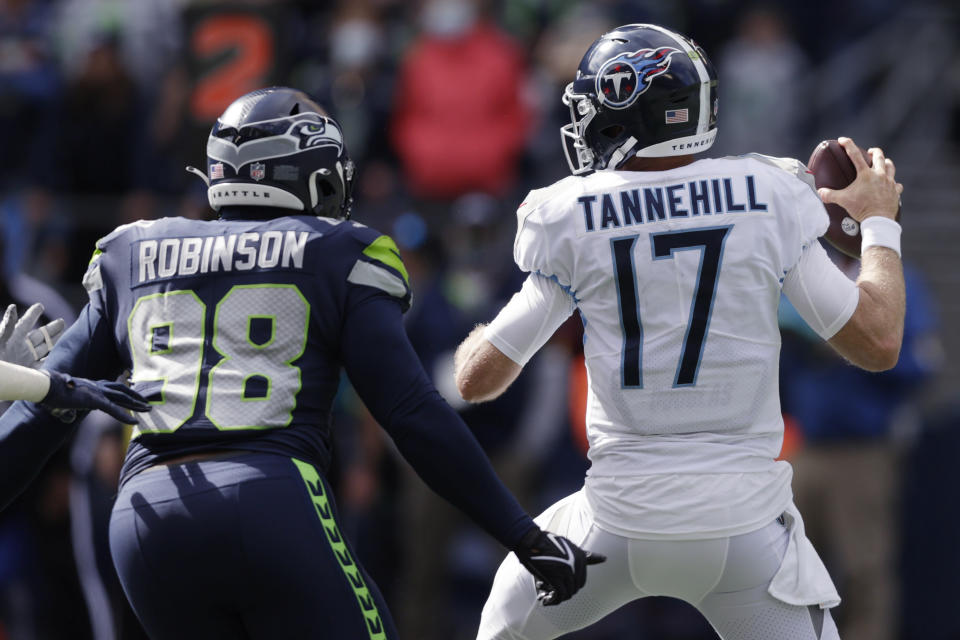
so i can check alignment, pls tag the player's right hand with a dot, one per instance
(559, 567)
(67, 392)
(874, 192)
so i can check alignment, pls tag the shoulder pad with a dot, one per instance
(103, 242)
(790, 165)
(93, 278)
(812, 217)
(379, 264)
(543, 230)
(539, 197)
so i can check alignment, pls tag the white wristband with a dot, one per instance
(878, 231)
(22, 383)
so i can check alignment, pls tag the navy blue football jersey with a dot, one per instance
(236, 331)
(231, 328)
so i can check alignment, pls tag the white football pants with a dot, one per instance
(726, 579)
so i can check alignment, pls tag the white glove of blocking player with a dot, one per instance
(20, 343)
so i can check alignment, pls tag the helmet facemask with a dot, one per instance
(580, 158)
(331, 192)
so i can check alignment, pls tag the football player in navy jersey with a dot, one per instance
(236, 330)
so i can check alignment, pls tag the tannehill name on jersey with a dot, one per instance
(656, 204)
(173, 257)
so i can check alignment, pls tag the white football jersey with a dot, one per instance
(677, 275)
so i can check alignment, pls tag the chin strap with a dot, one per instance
(622, 154)
(197, 172)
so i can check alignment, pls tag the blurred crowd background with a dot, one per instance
(451, 109)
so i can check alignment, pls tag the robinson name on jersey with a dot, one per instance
(175, 257)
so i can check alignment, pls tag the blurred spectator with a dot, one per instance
(101, 125)
(478, 237)
(358, 84)
(556, 56)
(101, 146)
(22, 289)
(379, 197)
(847, 472)
(148, 33)
(29, 87)
(124, 51)
(762, 98)
(460, 119)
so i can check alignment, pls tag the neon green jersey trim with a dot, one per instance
(318, 494)
(384, 250)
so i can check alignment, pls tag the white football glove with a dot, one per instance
(20, 343)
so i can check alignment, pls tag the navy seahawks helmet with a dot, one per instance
(277, 147)
(640, 90)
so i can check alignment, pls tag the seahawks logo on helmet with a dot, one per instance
(314, 134)
(623, 78)
(291, 135)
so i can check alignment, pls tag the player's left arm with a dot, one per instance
(432, 437)
(491, 357)
(387, 375)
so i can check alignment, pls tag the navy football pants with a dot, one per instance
(241, 547)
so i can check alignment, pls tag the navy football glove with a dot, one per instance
(67, 392)
(559, 567)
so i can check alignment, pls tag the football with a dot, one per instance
(832, 168)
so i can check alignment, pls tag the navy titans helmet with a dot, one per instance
(277, 147)
(640, 90)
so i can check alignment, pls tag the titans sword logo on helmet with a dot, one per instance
(623, 78)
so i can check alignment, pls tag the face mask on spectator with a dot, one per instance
(448, 18)
(354, 43)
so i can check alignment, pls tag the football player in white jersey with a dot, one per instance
(676, 265)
